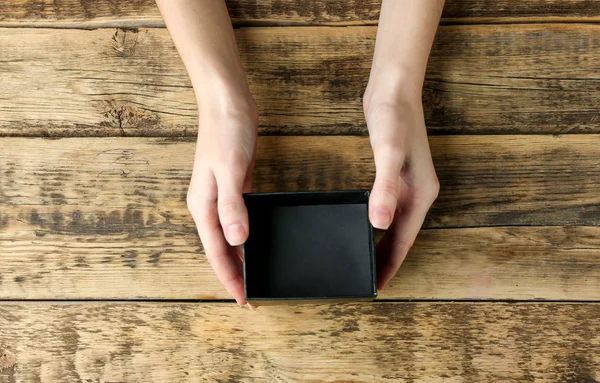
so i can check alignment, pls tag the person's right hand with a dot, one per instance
(223, 167)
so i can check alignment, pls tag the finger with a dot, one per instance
(394, 247)
(386, 189)
(232, 210)
(247, 188)
(222, 258)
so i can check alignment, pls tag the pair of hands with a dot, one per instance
(405, 184)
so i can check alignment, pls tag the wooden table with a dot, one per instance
(103, 277)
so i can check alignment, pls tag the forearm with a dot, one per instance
(202, 33)
(405, 181)
(404, 38)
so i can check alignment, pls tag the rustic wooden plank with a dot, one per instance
(528, 11)
(481, 80)
(485, 180)
(390, 342)
(143, 13)
(106, 218)
(556, 263)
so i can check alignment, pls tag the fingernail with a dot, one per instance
(382, 218)
(235, 234)
(251, 307)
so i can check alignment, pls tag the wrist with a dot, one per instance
(394, 86)
(225, 96)
(218, 78)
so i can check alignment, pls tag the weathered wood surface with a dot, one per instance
(106, 217)
(395, 342)
(491, 79)
(555, 263)
(485, 180)
(143, 13)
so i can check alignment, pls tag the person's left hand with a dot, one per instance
(405, 183)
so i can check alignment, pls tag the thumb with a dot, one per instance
(230, 203)
(386, 189)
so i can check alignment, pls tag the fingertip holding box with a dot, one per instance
(309, 247)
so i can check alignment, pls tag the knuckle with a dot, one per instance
(230, 207)
(427, 191)
(199, 212)
(431, 188)
(191, 202)
(436, 187)
(389, 187)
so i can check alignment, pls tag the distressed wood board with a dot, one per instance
(144, 13)
(483, 79)
(499, 263)
(395, 342)
(485, 180)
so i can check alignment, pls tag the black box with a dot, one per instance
(309, 247)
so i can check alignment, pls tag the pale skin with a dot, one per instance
(405, 184)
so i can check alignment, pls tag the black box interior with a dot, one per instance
(308, 246)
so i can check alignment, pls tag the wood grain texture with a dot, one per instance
(480, 80)
(391, 342)
(106, 218)
(143, 13)
(527, 11)
(546, 263)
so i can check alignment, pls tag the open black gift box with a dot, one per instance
(309, 247)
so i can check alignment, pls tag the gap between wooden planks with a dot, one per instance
(525, 79)
(105, 218)
(144, 13)
(393, 342)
